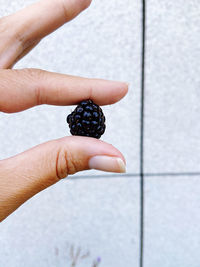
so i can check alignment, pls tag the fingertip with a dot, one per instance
(106, 92)
(96, 154)
(90, 146)
(108, 164)
(78, 5)
(122, 89)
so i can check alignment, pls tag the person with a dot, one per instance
(26, 174)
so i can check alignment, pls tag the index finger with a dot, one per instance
(23, 89)
(28, 26)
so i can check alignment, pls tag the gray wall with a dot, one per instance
(93, 210)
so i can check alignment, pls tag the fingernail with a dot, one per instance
(107, 164)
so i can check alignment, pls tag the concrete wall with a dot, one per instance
(98, 212)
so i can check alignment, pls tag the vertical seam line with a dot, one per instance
(141, 263)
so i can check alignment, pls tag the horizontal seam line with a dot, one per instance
(135, 175)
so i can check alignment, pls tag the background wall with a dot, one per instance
(100, 212)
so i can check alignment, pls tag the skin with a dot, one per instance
(26, 174)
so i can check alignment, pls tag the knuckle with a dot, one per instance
(35, 76)
(23, 40)
(31, 72)
(20, 39)
(65, 164)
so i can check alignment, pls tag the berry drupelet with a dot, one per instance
(87, 120)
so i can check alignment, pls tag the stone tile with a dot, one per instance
(100, 215)
(172, 86)
(172, 218)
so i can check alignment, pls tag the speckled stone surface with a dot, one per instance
(100, 215)
(172, 217)
(172, 128)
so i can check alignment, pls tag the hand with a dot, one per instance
(26, 174)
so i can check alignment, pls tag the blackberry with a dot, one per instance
(87, 120)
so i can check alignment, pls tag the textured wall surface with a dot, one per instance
(99, 212)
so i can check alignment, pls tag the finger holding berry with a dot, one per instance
(26, 174)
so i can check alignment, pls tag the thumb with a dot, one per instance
(26, 174)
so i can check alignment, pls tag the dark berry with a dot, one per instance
(69, 118)
(87, 115)
(87, 120)
(94, 124)
(77, 117)
(79, 110)
(89, 108)
(96, 115)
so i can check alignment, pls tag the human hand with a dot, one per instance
(26, 174)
